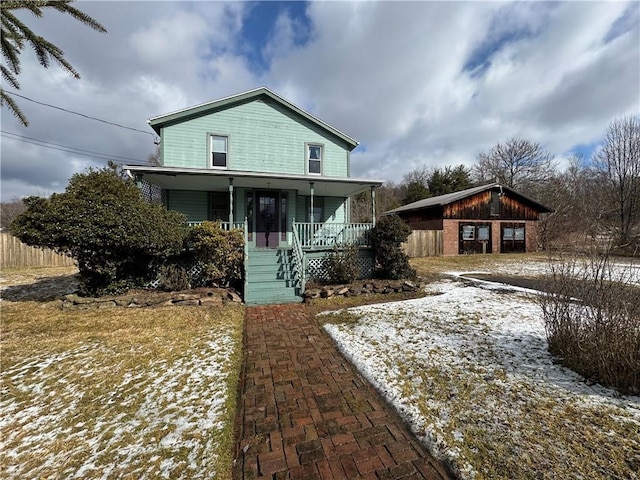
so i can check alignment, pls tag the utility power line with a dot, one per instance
(73, 150)
(82, 115)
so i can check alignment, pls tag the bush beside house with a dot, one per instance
(386, 239)
(103, 222)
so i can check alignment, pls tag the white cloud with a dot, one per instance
(391, 74)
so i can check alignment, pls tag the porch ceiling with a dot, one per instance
(212, 180)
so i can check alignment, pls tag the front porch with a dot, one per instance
(289, 221)
(279, 274)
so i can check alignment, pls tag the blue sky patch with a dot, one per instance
(584, 150)
(259, 28)
(480, 60)
(512, 23)
(625, 22)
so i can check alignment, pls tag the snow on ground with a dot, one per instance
(158, 420)
(468, 368)
(620, 269)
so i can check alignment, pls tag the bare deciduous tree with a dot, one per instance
(574, 219)
(387, 198)
(617, 163)
(9, 211)
(154, 158)
(517, 163)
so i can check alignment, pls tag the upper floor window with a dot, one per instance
(219, 151)
(314, 159)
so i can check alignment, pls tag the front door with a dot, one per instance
(267, 220)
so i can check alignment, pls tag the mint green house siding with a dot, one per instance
(192, 203)
(262, 137)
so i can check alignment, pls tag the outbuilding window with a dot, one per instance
(468, 232)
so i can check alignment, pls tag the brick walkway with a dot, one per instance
(306, 413)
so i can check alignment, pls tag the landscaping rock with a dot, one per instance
(312, 293)
(326, 292)
(79, 300)
(233, 296)
(186, 296)
(187, 303)
(205, 297)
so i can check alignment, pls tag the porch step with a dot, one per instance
(270, 277)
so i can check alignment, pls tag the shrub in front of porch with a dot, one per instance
(341, 264)
(386, 239)
(221, 252)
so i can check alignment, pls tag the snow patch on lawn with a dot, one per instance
(468, 368)
(158, 421)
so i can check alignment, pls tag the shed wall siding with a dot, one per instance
(479, 207)
(262, 137)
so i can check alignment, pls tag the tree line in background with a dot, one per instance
(595, 198)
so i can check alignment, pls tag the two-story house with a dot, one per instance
(258, 162)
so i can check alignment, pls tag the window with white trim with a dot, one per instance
(219, 151)
(314, 159)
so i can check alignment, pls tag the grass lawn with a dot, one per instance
(468, 368)
(115, 393)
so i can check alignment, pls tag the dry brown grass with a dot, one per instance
(433, 267)
(107, 391)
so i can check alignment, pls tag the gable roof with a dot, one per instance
(258, 93)
(449, 198)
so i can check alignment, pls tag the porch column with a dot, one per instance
(230, 203)
(373, 205)
(311, 207)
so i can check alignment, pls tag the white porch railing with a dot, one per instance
(223, 225)
(298, 262)
(319, 235)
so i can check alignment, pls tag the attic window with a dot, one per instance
(219, 144)
(495, 203)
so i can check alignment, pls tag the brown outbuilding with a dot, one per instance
(487, 219)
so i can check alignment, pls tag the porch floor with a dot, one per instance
(306, 413)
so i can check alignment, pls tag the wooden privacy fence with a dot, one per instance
(424, 243)
(17, 254)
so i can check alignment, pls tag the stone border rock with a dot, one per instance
(374, 286)
(200, 298)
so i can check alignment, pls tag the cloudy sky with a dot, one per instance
(416, 83)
